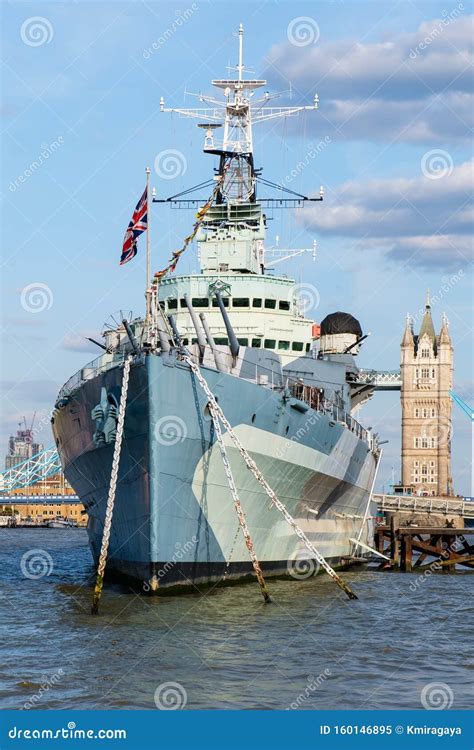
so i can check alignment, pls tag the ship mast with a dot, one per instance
(236, 113)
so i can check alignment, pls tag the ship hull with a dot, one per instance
(174, 523)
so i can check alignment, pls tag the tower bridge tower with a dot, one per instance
(427, 377)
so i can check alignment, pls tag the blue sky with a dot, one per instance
(81, 88)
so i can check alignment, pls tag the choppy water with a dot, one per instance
(311, 648)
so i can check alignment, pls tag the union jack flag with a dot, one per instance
(138, 224)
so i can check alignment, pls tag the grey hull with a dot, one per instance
(174, 521)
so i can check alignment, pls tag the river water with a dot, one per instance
(403, 644)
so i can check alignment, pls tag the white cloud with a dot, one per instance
(427, 220)
(416, 88)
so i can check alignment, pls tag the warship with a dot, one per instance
(287, 386)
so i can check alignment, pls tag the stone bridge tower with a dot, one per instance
(427, 377)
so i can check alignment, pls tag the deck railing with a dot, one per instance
(314, 397)
(89, 371)
(311, 395)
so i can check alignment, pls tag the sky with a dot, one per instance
(390, 144)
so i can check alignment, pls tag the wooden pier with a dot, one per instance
(413, 547)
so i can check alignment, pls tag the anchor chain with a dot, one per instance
(238, 506)
(261, 479)
(112, 488)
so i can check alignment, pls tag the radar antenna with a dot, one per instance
(237, 112)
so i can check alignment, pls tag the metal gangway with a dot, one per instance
(416, 503)
(382, 380)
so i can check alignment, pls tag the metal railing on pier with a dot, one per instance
(417, 503)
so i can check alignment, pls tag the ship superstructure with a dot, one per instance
(266, 310)
(284, 384)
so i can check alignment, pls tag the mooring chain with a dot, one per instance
(261, 479)
(238, 506)
(112, 488)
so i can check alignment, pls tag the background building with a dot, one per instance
(427, 377)
(20, 447)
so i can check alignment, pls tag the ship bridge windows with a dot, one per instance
(200, 302)
(225, 300)
(269, 344)
(241, 302)
(221, 341)
(256, 343)
(285, 345)
(243, 342)
(172, 303)
(297, 346)
(257, 302)
(284, 304)
(270, 304)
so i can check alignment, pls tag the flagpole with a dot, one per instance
(148, 237)
(148, 247)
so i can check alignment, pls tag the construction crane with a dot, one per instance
(470, 413)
